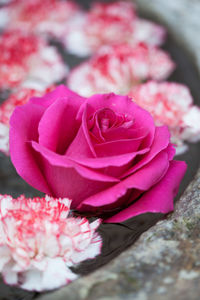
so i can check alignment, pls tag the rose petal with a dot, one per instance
(70, 179)
(121, 105)
(79, 146)
(102, 162)
(161, 141)
(86, 130)
(159, 199)
(119, 133)
(59, 92)
(144, 179)
(58, 125)
(23, 127)
(125, 106)
(118, 147)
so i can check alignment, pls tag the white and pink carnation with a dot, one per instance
(46, 17)
(25, 56)
(148, 32)
(40, 240)
(107, 24)
(18, 97)
(118, 68)
(171, 104)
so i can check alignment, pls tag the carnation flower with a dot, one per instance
(49, 17)
(26, 56)
(39, 241)
(108, 23)
(19, 97)
(147, 32)
(171, 104)
(119, 67)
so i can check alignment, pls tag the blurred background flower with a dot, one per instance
(39, 241)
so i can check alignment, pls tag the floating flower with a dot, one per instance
(39, 241)
(26, 56)
(19, 97)
(148, 32)
(171, 104)
(105, 153)
(49, 17)
(107, 24)
(119, 67)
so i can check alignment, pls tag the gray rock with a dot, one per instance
(165, 262)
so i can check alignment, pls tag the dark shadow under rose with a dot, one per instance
(104, 153)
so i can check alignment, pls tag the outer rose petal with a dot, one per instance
(23, 128)
(142, 180)
(58, 125)
(161, 142)
(158, 199)
(22, 155)
(67, 178)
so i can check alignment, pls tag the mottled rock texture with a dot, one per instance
(165, 262)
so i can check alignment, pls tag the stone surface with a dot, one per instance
(165, 262)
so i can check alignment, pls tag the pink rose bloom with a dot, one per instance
(46, 17)
(171, 104)
(108, 23)
(40, 240)
(19, 97)
(25, 56)
(118, 68)
(105, 153)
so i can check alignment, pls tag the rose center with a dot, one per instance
(109, 119)
(106, 125)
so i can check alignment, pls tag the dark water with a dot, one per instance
(116, 237)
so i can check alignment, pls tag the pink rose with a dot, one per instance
(105, 153)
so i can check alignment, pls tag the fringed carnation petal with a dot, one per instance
(171, 104)
(39, 241)
(107, 24)
(120, 67)
(46, 17)
(27, 56)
